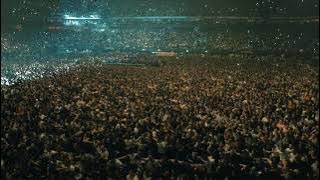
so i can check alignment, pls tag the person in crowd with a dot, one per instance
(216, 119)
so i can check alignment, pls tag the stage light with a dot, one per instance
(91, 17)
(80, 21)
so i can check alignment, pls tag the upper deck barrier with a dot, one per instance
(191, 18)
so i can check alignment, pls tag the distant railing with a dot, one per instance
(191, 18)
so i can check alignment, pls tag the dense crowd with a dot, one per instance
(192, 118)
(154, 36)
(34, 68)
(26, 55)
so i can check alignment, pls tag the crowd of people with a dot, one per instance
(153, 36)
(13, 71)
(190, 118)
(25, 55)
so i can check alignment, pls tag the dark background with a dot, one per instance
(24, 11)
